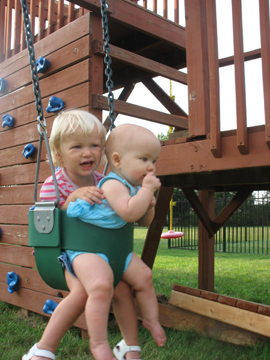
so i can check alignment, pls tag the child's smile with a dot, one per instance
(81, 155)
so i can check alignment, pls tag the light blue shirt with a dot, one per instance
(101, 215)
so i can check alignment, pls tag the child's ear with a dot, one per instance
(116, 161)
(59, 158)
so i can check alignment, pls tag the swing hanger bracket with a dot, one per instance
(44, 217)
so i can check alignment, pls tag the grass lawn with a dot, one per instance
(237, 275)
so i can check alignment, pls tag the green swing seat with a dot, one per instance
(66, 233)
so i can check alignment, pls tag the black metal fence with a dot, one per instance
(247, 231)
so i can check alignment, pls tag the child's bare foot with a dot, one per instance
(101, 350)
(156, 331)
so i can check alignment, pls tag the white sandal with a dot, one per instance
(122, 348)
(34, 351)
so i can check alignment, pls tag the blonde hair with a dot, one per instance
(73, 121)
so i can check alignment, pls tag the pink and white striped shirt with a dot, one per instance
(65, 185)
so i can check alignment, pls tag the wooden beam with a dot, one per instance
(140, 62)
(215, 135)
(130, 15)
(199, 210)
(123, 97)
(96, 68)
(101, 102)
(195, 157)
(155, 229)
(219, 179)
(228, 314)
(265, 44)
(232, 206)
(242, 139)
(206, 277)
(198, 69)
(164, 98)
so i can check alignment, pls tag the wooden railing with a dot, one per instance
(48, 16)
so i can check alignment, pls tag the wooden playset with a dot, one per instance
(197, 157)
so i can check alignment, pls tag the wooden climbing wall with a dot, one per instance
(69, 78)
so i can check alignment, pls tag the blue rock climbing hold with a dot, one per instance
(13, 281)
(0, 232)
(55, 104)
(42, 64)
(8, 120)
(3, 85)
(49, 306)
(29, 150)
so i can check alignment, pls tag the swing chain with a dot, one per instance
(108, 61)
(29, 39)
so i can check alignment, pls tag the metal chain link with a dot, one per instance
(29, 39)
(108, 61)
(40, 116)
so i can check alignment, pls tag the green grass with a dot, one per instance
(237, 275)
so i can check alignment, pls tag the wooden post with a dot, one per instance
(206, 245)
(197, 64)
(97, 62)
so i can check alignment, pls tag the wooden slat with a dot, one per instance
(265, 49)
(242, 140)
(60, 14)
(230, 315)
(41, 23)
(176, 11)
(14, 234)
(70, 17)
(14, 156)
(101, 102)
(32, 10)
(75, 97)
(213, 79)
(60, 59)
(55, 41)
(29, 279)
(23, 37)
(96, 71)
(16, 195)
(141, 62)
(50, 17)
(154, 6)
(197, 64)
(155, 229)
(8, 28)
(21, 299)
(2, 31)
(72, 76)
(23, 174)
(19, 255)
(17, 27)
(165, 9)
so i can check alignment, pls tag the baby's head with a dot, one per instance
(128, 143)
(73, 121)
